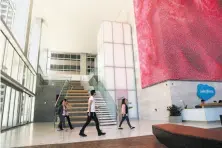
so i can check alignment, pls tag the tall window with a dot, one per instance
(90, 63)
(15, 15)
(65, 63)
(7, 9)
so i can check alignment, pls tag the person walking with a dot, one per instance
(124, 109)
(63, 113)
(91, 114)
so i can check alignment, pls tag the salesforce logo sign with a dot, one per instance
(205, 91)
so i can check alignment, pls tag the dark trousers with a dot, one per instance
(62, 120)
(125, 117)
(88, 120)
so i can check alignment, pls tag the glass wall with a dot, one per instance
(15, 15)
(17, 99)
(16, 107)
(14, 66)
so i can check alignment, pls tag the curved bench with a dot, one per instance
(179, 136)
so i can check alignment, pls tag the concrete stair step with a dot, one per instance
(106, 115)
(73, 97)
(78, 118)
(76, 94)
(79, 104)
(69, 89)
(77, 91)
(107, 124)
(81, 123)
(77, 101)
(107, 121)
(74, 113)
(106, 118)
(78, 109)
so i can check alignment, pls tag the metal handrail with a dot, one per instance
(60, 92)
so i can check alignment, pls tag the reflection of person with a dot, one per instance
(179, 39)
(91, 114)
(124, 109)
(63, 113)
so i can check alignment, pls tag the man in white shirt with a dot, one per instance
(91, 114)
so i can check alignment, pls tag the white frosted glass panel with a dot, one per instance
(109, 77)
(108, 53)
(119, 57)
(112, 94)
(117, 33)
(129, 55)
(127, 34)
(107, 32)
(132, 101)
(130, 78)
(121, 93)
(120, 78)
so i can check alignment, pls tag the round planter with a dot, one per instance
(175, 119)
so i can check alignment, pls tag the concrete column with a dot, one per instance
(83, 64)
(28, 29)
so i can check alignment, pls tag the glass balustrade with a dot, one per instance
(110, 103)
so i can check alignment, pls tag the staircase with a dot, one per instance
(105, 117)
(78, 99)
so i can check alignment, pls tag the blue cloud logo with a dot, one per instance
(205, 92)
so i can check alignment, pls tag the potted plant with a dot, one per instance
(175, 114)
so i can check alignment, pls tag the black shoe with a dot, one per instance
(82, 134)
(132, 127)
(101, 134)
(120, 128)
(72, 128)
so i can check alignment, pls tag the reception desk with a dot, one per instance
(207, 114)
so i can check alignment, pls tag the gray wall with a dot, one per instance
(45, 101)
(44, 104)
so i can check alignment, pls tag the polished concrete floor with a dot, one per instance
(44, 133)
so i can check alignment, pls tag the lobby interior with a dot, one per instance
(164, 57)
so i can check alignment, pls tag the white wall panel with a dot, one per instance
(129, 56)
(108, 54)
(132, 100)
(117, 33)
(127, 34)
(120, 78)
(100, 38)
(121, 93)
(187, 91)
(130, 78)
(119, 57)
(107, 32)
(109, 77)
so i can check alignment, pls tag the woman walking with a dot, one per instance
(124, 109)
(63, 113)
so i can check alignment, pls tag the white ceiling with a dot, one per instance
(72, 25)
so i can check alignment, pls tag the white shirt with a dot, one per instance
(92, 105)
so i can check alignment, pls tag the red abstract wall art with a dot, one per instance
(179, 40)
